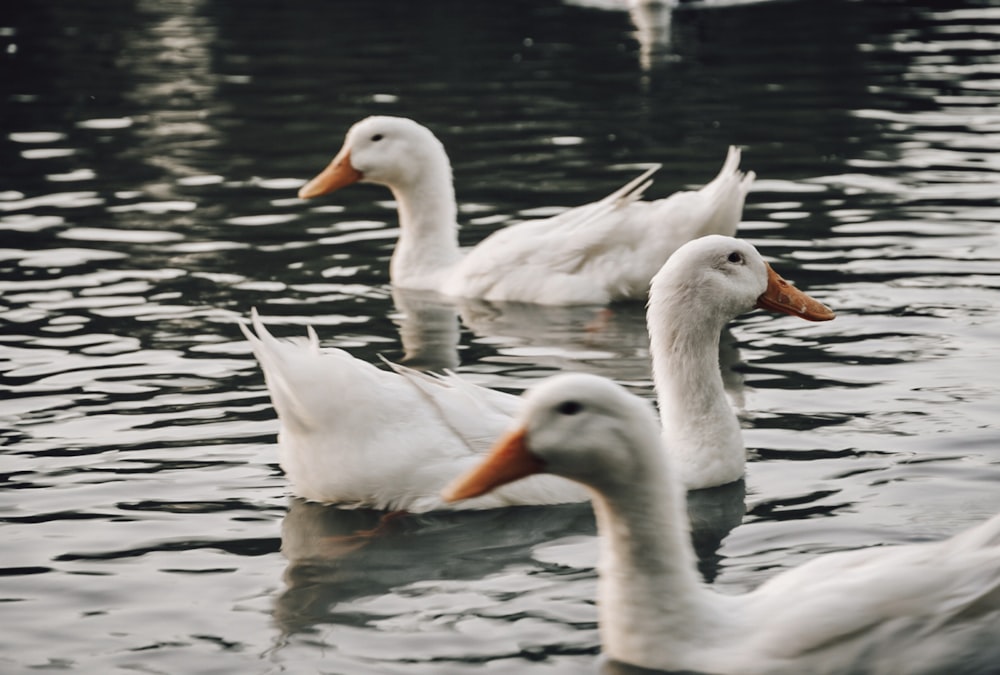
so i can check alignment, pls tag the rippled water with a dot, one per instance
(150, 157)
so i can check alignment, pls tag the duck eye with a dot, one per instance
(735, 257)
(377, 137)
(569, 408)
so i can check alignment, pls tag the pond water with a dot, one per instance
(150, 156)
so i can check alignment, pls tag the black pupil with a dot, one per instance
(735, 257)
(569, 408)
(377, 137)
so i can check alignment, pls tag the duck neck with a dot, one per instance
(700, 429)
(427, 248)
(652, 604)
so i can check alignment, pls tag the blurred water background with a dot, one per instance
(149, 158)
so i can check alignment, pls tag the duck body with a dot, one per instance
(931, 607)
(356, 434)
(593, 254)
(360, 436)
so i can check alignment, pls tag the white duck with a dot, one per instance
(593, 254)
(356, 434)
(919, 608)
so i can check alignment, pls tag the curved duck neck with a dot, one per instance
(651, 600)
(700, 429)
(428, 228)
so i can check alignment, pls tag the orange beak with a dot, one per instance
(509, 460)
(335, 176)
(781, 296)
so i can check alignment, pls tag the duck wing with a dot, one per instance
(912, 608)
(604, 251)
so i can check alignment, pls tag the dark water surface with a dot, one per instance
(150, 156)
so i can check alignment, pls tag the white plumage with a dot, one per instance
(593, 254)
(915, 609)
(356, 434)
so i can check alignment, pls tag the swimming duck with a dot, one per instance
(930, 607)
(359, 435)
(593, 254)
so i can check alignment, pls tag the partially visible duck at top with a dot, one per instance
(593, 254)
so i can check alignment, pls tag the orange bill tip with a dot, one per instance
(781, 296)
(338, 174)
(509, 460)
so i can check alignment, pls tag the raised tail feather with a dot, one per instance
(273, 356)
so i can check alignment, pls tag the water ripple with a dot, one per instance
(152, 154)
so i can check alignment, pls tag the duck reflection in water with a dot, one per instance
(338, 555)
(611, 341)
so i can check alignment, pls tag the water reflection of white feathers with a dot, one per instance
(652, 20)
(338, 557)
(609, 341)
(428, 328)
